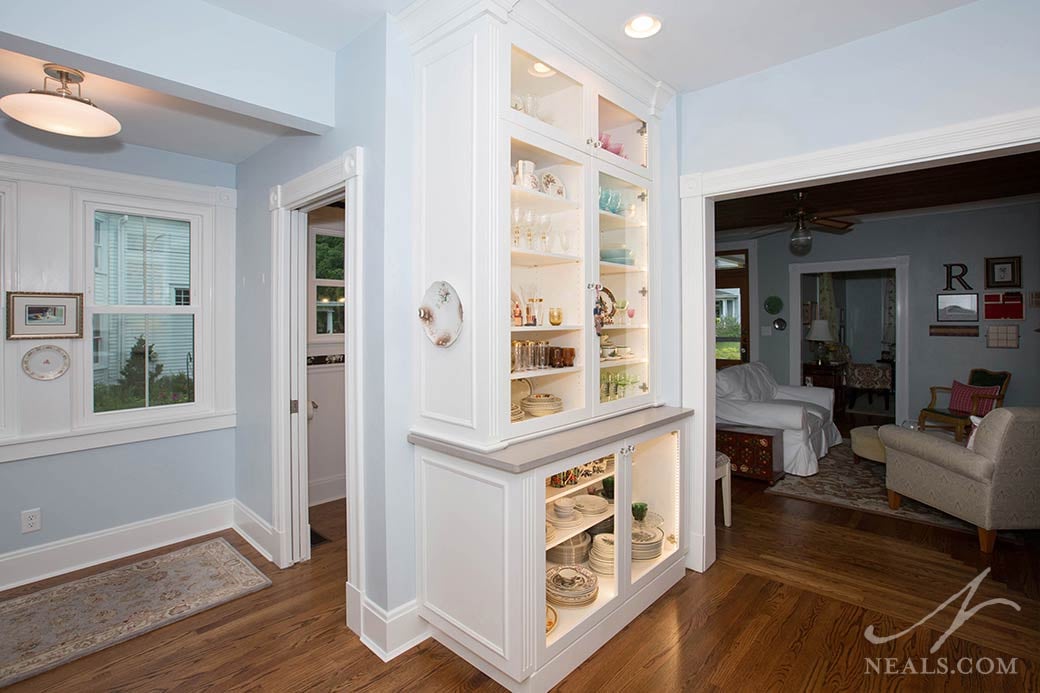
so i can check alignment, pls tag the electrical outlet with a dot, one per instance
(32, 520)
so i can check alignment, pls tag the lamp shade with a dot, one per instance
(820, 331)
(60, 114)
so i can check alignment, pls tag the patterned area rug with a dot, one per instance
(53, 626)
(846, 483)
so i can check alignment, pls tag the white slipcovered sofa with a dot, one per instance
(748, 395)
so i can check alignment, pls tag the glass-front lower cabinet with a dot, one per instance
(530, 561)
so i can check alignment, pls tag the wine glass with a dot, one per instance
(622, 305)
(530, 219)
(545, 232)
(517, 222)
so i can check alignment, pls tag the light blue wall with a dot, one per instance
(360, 95)
(188, 48)
(112, 155)
(98, 489)
(974, 61)
(930, 241)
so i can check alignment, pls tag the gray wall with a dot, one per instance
(864, 315)
(971, 62)
(930, 241)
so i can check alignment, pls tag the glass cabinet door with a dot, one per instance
(623, 137)
(581, 565)
(544, 98)
(547, 302)
(655, 504)
(621, 311)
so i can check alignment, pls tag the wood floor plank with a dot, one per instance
(784, 608)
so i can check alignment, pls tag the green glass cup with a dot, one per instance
(639, 511)
(608, 488)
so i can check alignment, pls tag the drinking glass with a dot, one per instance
(518, 218)
(614, 201)
(530, 219)
(639, 511)
(544, 226)
(631, 312)
(622, 304)
(555, 316)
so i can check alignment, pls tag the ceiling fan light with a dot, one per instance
(60, 111)
(801, 239)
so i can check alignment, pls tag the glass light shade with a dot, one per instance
(801, 240)
(60, 114)
(819, 332)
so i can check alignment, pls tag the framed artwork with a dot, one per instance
(38, 315)
(957, 307)
(1004, 272)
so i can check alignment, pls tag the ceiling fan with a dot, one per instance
(805, 221)
(801, 235)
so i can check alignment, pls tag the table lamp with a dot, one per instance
(820, 332)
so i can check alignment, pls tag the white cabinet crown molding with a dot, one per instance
(37, 171)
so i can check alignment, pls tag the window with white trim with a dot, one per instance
(143, 319)
(326, 286)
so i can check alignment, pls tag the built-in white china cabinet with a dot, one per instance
(549, 478)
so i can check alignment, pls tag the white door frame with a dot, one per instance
(1009, 133)
(899, 263)
(289, 490)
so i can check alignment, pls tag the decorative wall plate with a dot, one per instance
(441, 314)
(780, 324)
(773, 305)
(46, 362)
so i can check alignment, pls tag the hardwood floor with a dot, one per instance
(784, 608)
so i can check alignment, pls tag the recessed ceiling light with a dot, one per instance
(59, 110)
(541, 70)
(642, 26)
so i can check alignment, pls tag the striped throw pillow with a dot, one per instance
(960, 398)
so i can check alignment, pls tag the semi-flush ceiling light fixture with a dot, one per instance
(642, 26)
(540, 69)
(59, 110)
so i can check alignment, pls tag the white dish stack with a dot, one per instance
(647, 543)
(601, 556)
(541, 404)
(563, 515)
(570, 551)
(590, 506)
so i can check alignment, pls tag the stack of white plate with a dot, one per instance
(604, 527)
(590, 506)
(563, 515)
(541, 404)
(570, 551)
(601, 557)
(515, 413)
(549, 532)
(646, 543)
(571, 585)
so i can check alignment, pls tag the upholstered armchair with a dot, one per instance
(985, 391)
(748, 395)
(864, 377)
(995, 485)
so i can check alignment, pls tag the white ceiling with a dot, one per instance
(704, 42)
(331, 24)
(149, 118)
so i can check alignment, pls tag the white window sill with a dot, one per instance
(15, 448)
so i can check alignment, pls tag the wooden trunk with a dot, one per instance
(757, 453)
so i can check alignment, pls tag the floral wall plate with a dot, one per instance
(46, 362)
(441, 314)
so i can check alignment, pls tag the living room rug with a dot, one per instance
(846, 483)
(53, 626)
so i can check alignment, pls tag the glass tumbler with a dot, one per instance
(555, 316)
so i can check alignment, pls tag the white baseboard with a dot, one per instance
(387, 633)
(258, 532)
(65, 555)
(326, 489)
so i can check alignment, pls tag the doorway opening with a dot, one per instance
(732, 315)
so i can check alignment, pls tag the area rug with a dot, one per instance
(53, 626)
(846, 483)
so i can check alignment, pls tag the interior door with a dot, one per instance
(732, 336)
(299, 313)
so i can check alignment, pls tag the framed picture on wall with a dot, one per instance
(1004, 272)
(38, 315)
(957, 307)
